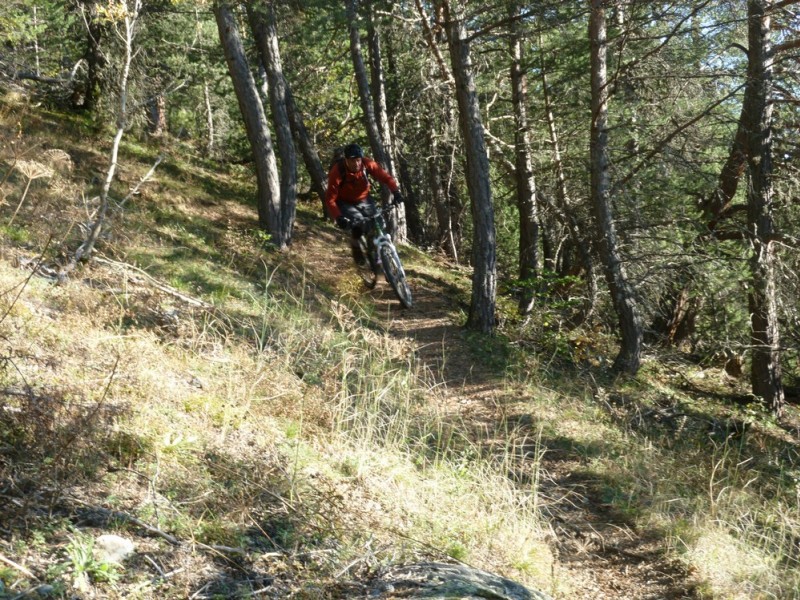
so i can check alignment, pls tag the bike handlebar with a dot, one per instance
(363, 219)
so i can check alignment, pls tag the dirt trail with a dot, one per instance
(600, 555)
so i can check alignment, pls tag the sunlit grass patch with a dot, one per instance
(735, 569)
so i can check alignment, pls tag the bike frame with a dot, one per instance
(380, 237)
(383, 256)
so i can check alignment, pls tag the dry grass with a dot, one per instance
(277, 439)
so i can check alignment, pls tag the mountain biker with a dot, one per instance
(347, 197)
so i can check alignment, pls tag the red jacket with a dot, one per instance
(353, 187)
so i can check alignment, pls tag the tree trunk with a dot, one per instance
(765, 375)
(444, 195)
(563, 208)
(94, 56)
(262, 22)
(157, 115)
(525, 183)
(677, 311)
(130, 20)
(398, 216)
(365, 95)
(484, 279)
(210, 144)
(445, 238)
(624, 302)
(319, 178)
(255, 122)
(416, 228)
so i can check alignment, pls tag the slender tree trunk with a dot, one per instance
(765, 374)
(262, 22)
(407, 181)
(319, 178)
(445, 237)
(629, 357)
(255, 121)
(716, 206)
(36, 43)
(563, 208)
(127, 34)
(398, 216)
(93, 55)
(525, 183)
(365, 95)
(416, 228)
(157, 115)
(444, 194)
(484, 247)
(210, 144)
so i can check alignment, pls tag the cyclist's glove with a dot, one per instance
(343, 222)
(397, 198)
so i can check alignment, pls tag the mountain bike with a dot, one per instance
(381, 255)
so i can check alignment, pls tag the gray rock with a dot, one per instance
(448, 582)
(45, 591)
(113, 548)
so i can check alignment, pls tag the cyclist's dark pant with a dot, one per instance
(357, 212)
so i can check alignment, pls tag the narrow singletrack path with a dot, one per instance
(601, 555)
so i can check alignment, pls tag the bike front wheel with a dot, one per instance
(366, 267)
(395, 275)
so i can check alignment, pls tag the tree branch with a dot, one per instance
(660, 145)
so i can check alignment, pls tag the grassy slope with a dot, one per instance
(288, 443)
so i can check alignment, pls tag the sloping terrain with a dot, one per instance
(258, 424)
(601, 554)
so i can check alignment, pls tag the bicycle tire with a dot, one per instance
(395, 275)
(367, 270)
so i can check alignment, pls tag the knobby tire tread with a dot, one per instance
(393, 269)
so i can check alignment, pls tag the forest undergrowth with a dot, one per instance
(259, 425)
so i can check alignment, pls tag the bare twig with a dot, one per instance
(143, 180)
(126, 518)
(17, 566)
(155, 566)
(27, 279)
(155, 283)
(32, 170)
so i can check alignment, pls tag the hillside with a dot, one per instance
(257, 424)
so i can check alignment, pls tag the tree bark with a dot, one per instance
(765, 375)
(484, 246)
(255, 122)
(262, 22)
(563, 208)
(93, 55)
(157, 115)
(365, 95)
(319, 178)
(629, 357)
(523, 173)
(398, 216)
(210, 143)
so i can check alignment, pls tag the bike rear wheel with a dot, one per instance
(395, 275)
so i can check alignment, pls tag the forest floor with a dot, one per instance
(601, 553)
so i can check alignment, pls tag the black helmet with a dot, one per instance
(353, 151)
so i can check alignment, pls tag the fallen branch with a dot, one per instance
(143, 180)
(155, 283)
(126, 518)
(17, 566)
